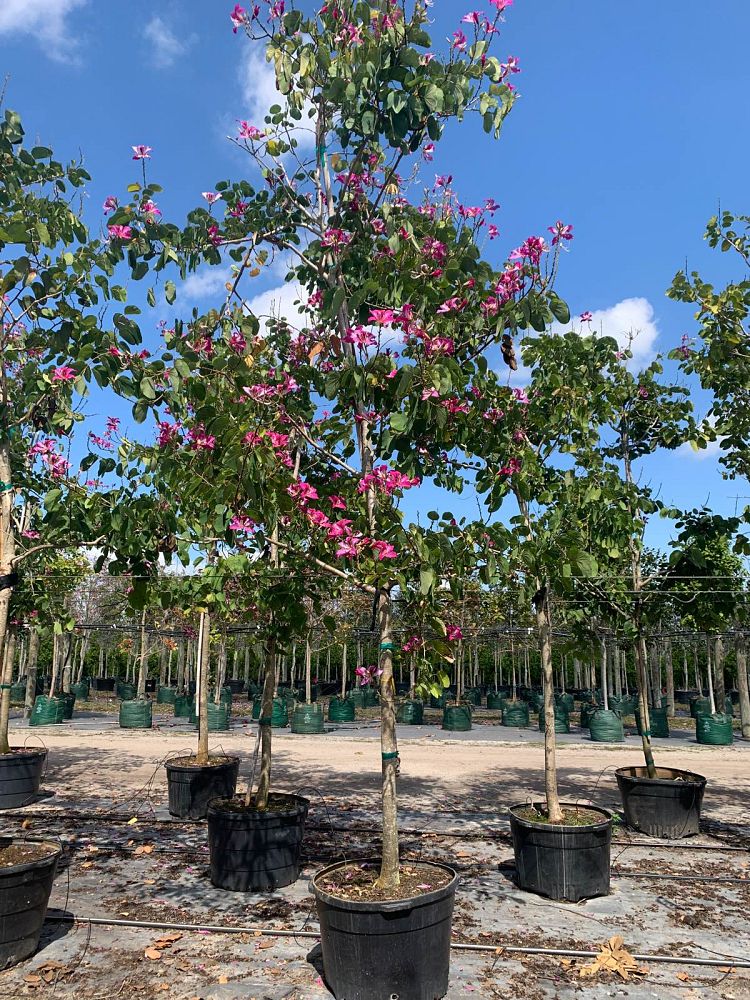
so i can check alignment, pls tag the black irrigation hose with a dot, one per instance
(496, 949)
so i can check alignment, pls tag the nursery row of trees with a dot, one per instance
(281, 452)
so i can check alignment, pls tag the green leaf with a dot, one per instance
(170, 291)
(560, 309)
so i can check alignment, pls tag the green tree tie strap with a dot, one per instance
(390, 756)
(6, 487)
(5, 687)
(387, 645)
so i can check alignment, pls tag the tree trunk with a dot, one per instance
(68, 645)
(246, 665)
(143, 665)
(162, 665)
(181, 666)
(343, 671)
(389, 868)
(641, 670)
(308, 672)
(544, 634)
(721, 693)
(696, 668)
(742, 686)
(669, 668)
(202, 667)
(236, 664)
(710, 678)
(55, 664)
(100, 672)
(605, 686)
(82, 657)
(264, 723)
(31, 672)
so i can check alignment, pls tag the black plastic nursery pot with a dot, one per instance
(103, 684)
(20, 776)
(307, 720)
(255, 851)
(667, 806)
(562, 861)
(47, 711)
(714, 730)
(191, 786)
(410, 713)
(457, 718)
(25, 889)
(135, 714)
(473, 696)
(377, 950)
(183, 706)
(236, 686)
(606, 727)
(341, 710)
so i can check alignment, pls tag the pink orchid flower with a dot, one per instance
(141, 152)
(64, 374)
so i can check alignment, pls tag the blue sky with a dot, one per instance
(633, 126)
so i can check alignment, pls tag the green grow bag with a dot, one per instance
(587, 710)
(606, 727)
(566, 701)
(516, 714)
(225, 698)
(81, 691)
(183, 706)
(341, 710)
(135, 714)
(47, 711)
(536, 701)
(218, 717)
(253, 689)
(307, 719)
(659, 722)
(473, 696)
(300, 694)
(439, 702)
(357, 696)
(18, 693)
(166, 696)
(410, 713)
(126, 692)
(69, 702)
(279, 715)
(562, 720)
(714, 730)
(496, 700)
(457, 718)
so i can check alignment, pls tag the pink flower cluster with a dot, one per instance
(199, 439)
(367, 674)
(386, 481)
(242, 524)
(453, 633)
(46, 449)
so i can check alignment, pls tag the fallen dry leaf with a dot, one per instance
(144, 849)
(32, 978)
(27, 824)
(152, 953)
(613, 958)
(87, 864)
(133, 821)
(266, 944)
(223, 979)
(683, 977)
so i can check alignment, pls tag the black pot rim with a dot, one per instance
(229, 761)
(561, 827)
(643, 779)
(55, 850)
(18, 753)
(301, 806)
(386, 906)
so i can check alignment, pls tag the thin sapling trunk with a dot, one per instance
(202, 664)
(544, 631)
(389, 868)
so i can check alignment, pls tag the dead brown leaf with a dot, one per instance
(144, 849)
(223, 979)
(152, 953)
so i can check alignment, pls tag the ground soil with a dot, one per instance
(24, 854)
(571, 817)
(356, 882)
(192, 761)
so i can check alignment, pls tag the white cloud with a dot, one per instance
(279, 303)
(258, 89)
(629, 318)
(204, 284)
(46, 20)
(167, 46)
(712, 449)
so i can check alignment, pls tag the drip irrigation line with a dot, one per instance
(405, 831)
(495, 949)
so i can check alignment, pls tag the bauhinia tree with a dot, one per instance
(720, 358)
(305, 436)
